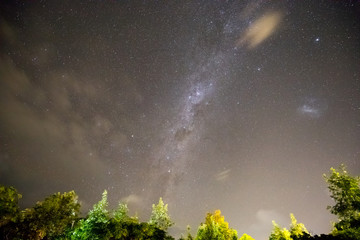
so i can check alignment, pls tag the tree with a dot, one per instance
(9, 208)
(147, 231)
(188, 234)
(279, 234)
(121, 213)
(215, 228)
(297, 231)
(160, 216)
(246, 237)
(345, 190)
(121, 224)
(50, 217)
(9, 212)
(95, 226)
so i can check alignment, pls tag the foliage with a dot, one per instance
(188, 234)
(9, 212)
(121, 225)
(348, 234)
(215, 228)
(135, 230)
(246, 237)
(279, 234)
(57, 218)
(95, 225)
(297, 231)
(100, 225)
(160, 216)
(50, 217)
(121, 213)
(345, 190)
(9, 209)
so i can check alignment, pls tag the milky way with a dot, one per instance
(185, 130)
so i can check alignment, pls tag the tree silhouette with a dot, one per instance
(160, 216)
(345, 190)
(215, 228)
(95, 226)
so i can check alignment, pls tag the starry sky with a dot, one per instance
(232, 105)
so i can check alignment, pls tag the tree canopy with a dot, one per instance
(160, 216)
(121, 213)
(57, 217)
(9, 208)
(246, 237)
(95, 225)
(215, 228)
(54, 214)
(297, 231)
(345, 191)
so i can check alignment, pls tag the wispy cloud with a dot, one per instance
(132, 198)
(262, 227)
(222, 176)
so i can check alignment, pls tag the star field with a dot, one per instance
(232, 105)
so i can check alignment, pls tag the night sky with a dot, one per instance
(233, 105)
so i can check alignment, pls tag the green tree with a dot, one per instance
(297, 231)
(50, 217)
(121, 225)
(160, 216)
(9, 208)
(279, 234)
(188, 234)
(215, 228)
(95, 226)
(129, 230)
(9, 212)
(246, 237)
(121, 213)
(345, 191)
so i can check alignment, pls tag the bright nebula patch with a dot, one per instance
(313, 107)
